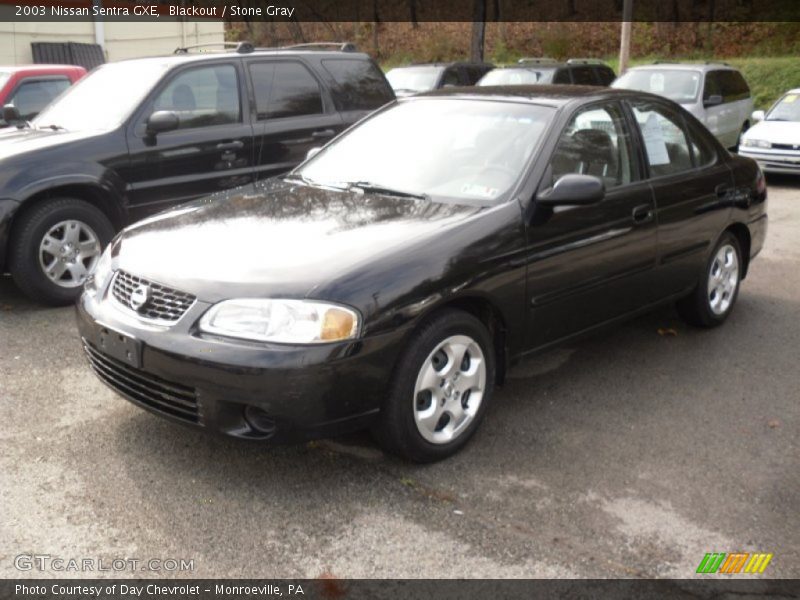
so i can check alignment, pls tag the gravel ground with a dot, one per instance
(631, 454)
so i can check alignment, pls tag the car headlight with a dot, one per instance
(102, 271)
(753, 143)
(281, 321)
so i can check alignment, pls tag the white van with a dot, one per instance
(715, 93)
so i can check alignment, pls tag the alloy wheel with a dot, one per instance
(723, 279)
(449, 389)
(68, 253)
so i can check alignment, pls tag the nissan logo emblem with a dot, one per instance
(140, 297)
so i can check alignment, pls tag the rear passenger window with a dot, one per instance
(604, 75)
(562, 76)
(733, 86)
(703, 151)
(202, 96)
(359, 84)
(664, 137)
(285, 89)
(583, 76)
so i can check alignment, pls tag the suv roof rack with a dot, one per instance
(341, 46)
(542, 60)
(585, 61)
(238, 47)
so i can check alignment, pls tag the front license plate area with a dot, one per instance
(119, 345)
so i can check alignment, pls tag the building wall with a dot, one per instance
(121, 40)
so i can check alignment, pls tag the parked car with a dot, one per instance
(415, 79)
(30, 88)
(715, 93)
(390, 280)
(138, 136)
(774, 141)
(530, 71)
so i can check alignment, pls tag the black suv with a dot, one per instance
(415, 79)
(138, 136)
(527, 71)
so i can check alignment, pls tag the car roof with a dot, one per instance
(31, 68)
(550, 95)
(684, 67)
(183, 58)
(459, 63)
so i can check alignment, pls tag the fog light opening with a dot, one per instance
(260, 420)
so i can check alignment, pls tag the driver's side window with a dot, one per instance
(596, 142)
(202, 97)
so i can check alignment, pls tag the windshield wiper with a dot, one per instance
(53, 127)
(374, 188)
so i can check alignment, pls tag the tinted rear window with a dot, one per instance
(285, 89)
(359, 84)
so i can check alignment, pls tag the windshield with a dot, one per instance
(448, 148)
(415, 79)
(680, 86)
(104, 98)
(516, 77)
(786, 109)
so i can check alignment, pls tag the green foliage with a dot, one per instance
(502, 55)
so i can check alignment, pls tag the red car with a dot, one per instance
(32, 87)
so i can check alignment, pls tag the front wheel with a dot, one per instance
(441, 388)
(712, 300)
(55, 247)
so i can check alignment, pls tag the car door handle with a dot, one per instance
(642, 214)
(225, 146)
(323, 133)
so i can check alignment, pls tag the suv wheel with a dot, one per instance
(440, 390)
(713, 298)
(55, 246)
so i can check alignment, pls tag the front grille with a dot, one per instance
(165, 304)
(143, 388)
(785, 147)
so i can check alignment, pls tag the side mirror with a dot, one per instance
(11, 114)
(161, 121)
(714, 100)
(758, 115)
(312, 153)
(573, 190)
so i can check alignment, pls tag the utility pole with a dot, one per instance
(478, 31)
(625, 37)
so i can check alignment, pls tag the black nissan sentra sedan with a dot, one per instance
(390, 280)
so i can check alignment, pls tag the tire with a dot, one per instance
(712, 301)
(75, 232)
(431, 357)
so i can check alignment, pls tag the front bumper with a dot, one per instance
(7, 209)
(774, 161)
(247, 390)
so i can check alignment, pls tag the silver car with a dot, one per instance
(715, 93)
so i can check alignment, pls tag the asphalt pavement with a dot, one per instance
(630, 454)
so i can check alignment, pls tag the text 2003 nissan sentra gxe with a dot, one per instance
(390, 280)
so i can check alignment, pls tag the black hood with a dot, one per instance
(277, 238)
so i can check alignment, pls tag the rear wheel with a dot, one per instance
(55, 247)
(715, 295)
(440, 390)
